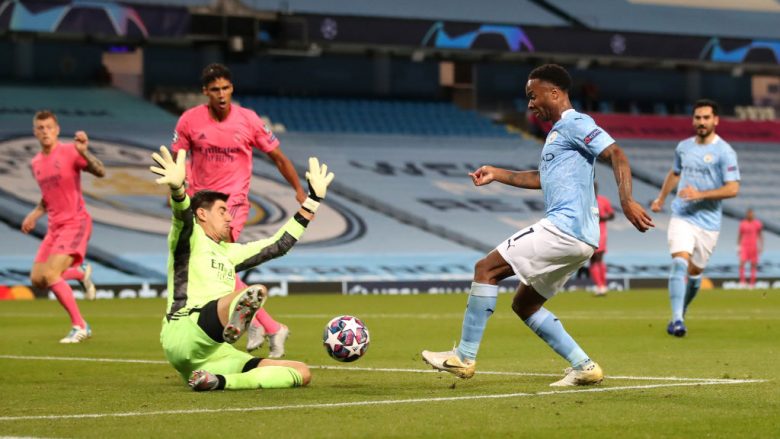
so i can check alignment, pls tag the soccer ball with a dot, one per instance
(345, 338)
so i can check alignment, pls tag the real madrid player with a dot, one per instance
(705, 171)
(205, 312)
(219, 137)
(57, 169)
(544, 255)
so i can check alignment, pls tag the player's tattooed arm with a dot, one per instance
(522, 179)
(29, 221)
(94, 165)
(634, 212)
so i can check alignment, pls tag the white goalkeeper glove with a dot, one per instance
(171, 172)
(318, 179)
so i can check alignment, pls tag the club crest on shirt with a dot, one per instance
(551, 137)
(707, 158)
(266, 128)
(592, 135)
(175, 137)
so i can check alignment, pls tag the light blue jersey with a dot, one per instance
(705, 167)
(566, 171)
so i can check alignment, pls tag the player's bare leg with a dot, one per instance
(528, 305)
(48, 275)
(461, 361)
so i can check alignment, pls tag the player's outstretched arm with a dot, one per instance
(171, 172)
(614, 155)
(670, 182)
(286, 168)
(94, 165)
(246, 256)
(522, 179)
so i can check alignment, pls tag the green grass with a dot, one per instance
(732, 335)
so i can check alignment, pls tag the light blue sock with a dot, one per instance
(694, 282)
(677, 287)
(546, 325)
(481, 304)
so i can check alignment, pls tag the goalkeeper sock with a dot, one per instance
(677, 287)
(694, 283)
(549, 328)
(266, 377)
(480, 306)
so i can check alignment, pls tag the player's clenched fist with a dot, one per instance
(318, 179)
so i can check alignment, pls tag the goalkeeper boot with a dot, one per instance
(450, 362)
(201, 381)
(255, 336)
(591, 374)
(677, 328)
(276, 342)
(244, 308)
(86, 282)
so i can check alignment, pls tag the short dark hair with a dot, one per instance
(43, 115)
(206, 199)
(214, 71)
(707, 103)
(554, 74)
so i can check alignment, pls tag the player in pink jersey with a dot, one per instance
(751, 244)
(219, 137)
(598, 269)
(57, 169)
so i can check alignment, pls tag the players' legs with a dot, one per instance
(48, 275)
(742, 262)
(694, 283)
(481, 304)
(753, 271)
(598, 273)
(237, 309)
(256, 374)
(677, 283)
(528, 305)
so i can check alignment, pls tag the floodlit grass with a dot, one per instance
(733, 335)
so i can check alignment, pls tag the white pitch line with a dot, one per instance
(363, 403)
(375, 369)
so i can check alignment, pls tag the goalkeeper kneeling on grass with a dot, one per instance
(205, 316)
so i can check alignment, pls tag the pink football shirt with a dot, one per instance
(605, 211)
(59, 176)
(220, 153)
(749, 231)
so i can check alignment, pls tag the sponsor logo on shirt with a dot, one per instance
(593, 134)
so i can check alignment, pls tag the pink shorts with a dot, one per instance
(70, 238)
(749, 255)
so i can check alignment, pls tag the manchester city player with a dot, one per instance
(544, 255)
(705, 171)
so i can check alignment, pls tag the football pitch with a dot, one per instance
(719, 381)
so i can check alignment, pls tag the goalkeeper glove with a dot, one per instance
(318, 179)
(171, 172)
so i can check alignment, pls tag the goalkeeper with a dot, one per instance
(205, 316)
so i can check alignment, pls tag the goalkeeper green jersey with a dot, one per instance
(201, 270)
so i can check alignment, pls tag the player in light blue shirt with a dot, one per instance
(705, 172)
(546, 254)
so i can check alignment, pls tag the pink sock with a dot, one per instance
(742, 272)
(73, 273)
(265, 320)
(753, 272)
(595, 274)
(64, 294)
(603, 272)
